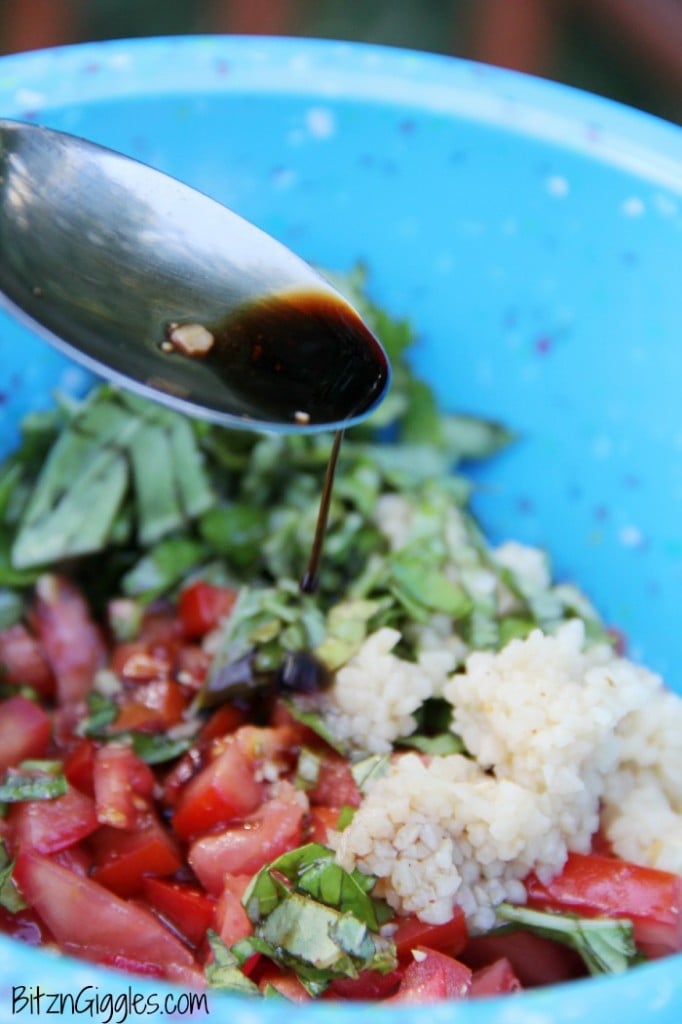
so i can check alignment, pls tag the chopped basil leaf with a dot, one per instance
(313, 871)
(18, 786)
(102, 712)
(318, 942)
(474, 438)
(10, 897)
(346, 815)
(441, 745)
(12, 602)
(347, 625)
(315, 721)
(606, 946)
(40, 765)
(155, 748)
(265, 626)
(164, 566)
(223, 971)
(427, 588)
(369, 769)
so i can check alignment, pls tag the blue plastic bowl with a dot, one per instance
(532, 234)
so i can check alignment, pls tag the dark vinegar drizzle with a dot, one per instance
(311, 578)
(303, 357)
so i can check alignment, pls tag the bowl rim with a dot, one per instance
(35, 83)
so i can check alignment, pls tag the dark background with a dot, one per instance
(629, 50)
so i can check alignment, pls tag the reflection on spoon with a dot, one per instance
(163, 290)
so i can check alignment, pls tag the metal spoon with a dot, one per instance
(163, 290)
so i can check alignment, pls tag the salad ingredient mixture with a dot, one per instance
(436, 777)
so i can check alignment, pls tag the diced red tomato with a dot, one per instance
(50, 825)
(187, 908)
(192, 665)
(72, 643)
(88, 920)
(335, 786)
(154, 707)
(202, 606)
(182, 773)
(287, 985)
(496, 979)
(232, 921)
(535, 960)
(225, 719)
(598, 886)
(76, 858)
(24, 925)
(24, 731)
(267, 743)
(368, 986)
(225, 789)
(23, 662)
(243, 849)
(124, 858)
(161, 629)
(450, 937)
(122, 782)
(601, 844)
(322, 821)
(431, 977)
(134, 662)
(79, 765)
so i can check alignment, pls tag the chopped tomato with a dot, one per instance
(496, 979)
(50, 825)
(225, 789)
(122, 782)
(24, 731)
(192, 665)
(124, 858)
(24, 925)
(267, 743)
(601, 844)
(322, 821)
(243, 849)
(450, 937)
(160, 629)
(535, 960)
(226, 719)
(335, 785)
(76, 858)
(79, 765)
(72, 643)
(598, 886)
(187, 908)
(23, 661)
(287, 985)
(88, 920)
(368, 986)
(431, 977)
(135, 663)
(154, 707)
(232, 921)
(202, 606)
(182, 772)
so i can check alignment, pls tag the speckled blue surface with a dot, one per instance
(532, 233)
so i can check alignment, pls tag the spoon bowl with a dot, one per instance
(161, 289)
